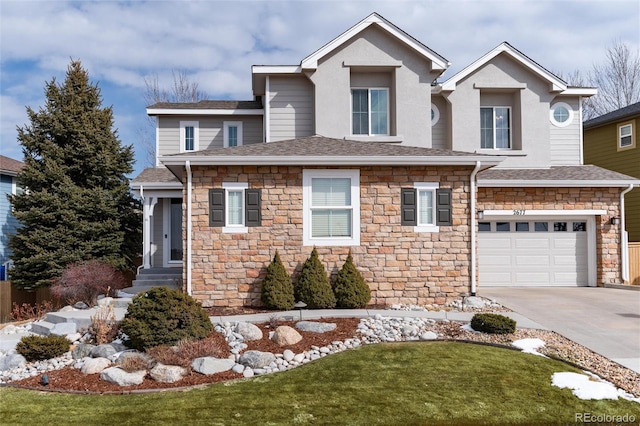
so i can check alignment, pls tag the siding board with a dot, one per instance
(290, 108)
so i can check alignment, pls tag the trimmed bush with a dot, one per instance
(277, 288)
(350, 289)
(39, 348)
(493, 323)
(163, 316)
(84, 282)
(313, 287)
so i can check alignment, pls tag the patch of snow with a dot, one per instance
(529, 346)
(467, 327)
(585, 387)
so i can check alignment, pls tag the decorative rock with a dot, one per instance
(103, 351)
(210, 365)
(299, 358)
(95, 365)
(249, 331)
(82, 350)
(285, 336)
(248, 372)
(105, 301)
(288, 355)
(64, 328)
(256, 359)
(12, 361)
(167, 373)
(9, 329)
(238, 368)
(80, 305)
(316, 327)
(428, 335)
(67, 309)
(124, 356)
(73, 337)
(474, 302)
(122, 378)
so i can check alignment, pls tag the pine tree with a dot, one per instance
(313, 287)
(77, 204)
(350, 288)
(277, 289)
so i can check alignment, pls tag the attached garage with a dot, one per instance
(536, 251)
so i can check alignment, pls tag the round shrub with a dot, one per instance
(277, 289)
(39, 348)
(493, 323)
(313, 287)
(350, 289)
(84, 282)
(163, 316)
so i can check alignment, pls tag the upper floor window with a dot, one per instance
(232, 133)
(495, 127)
(189, 136)
(370, 111)
(625, 136)
(561, 114)
(435, 115)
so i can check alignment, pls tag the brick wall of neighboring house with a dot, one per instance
(607, 235)
(399, 265)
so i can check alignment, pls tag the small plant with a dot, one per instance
(163, 316)
(493, 323)
(350, 289)
(38, 348)
(27, 311)
(277, 288)
(84, 282)
(186, 351)
(134, 362)
(104, 327)
(313, 287)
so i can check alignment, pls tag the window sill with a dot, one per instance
(426, 228)
(235, 230)
(331, 242)
(503, 152)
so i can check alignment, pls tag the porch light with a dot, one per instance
(480, 214)
(615, 221)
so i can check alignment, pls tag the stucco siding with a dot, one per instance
(290, 108)
(565, 141)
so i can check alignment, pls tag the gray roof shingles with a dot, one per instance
(156, 175)
(619, 114)
(558, 173)
(10, 165)
(208, 104)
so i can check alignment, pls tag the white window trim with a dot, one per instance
(633, 138)
(436, 114)
(553, 118)
(228, 187)
(196, 135)
(226, 126)
(494, 128)
(309, 174)
(369, 89)
(426, 186)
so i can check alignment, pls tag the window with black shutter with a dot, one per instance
(443, 207)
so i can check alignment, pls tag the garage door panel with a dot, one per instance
(531, 243)
(502, 261)
(524, 261)
(528, 278)
(497, 243)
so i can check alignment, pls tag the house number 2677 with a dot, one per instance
(519, 212)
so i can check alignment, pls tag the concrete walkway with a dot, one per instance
(605, 320)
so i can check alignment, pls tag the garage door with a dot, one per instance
(533, 253)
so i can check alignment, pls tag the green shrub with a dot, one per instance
(493, 323)
(163, 316)
(38, 348)
(350, 289)
(313, 287)
(277, 288)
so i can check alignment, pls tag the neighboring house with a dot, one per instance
(435, 188)
(9, 169)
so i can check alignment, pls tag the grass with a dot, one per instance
(385, 384)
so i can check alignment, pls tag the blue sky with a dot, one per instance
(216, 42)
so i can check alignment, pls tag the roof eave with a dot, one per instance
(196, 111)
(156, 185)
(510, 183)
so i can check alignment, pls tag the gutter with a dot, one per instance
(189, 225)
(473, 226)
(624, 237)
(143, 239)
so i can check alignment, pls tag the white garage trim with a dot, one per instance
(541, 213)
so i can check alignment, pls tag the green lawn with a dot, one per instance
(385, 384)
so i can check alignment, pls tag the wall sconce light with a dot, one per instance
(615, 221)
(480, 214)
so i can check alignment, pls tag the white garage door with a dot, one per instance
(533, 253)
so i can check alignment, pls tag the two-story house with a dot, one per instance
(9, 169)
(435, 188)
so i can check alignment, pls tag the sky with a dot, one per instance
(120, 43)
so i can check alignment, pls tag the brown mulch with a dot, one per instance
(70, 379)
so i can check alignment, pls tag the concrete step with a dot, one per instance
(142, 287)
(42, 327)
(162, 271)
(167, 282)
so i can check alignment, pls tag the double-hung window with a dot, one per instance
(426, 207)
(189, 134)
(331, 207)
(625, 136)
(235, 207)
(495, 128)
(232, 133)
(370, 111)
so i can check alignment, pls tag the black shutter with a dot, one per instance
(408, 207)
(216, 207)
(443, 207)
(252, 207)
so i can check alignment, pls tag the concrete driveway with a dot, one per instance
(605, 320)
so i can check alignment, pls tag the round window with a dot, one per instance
(435, 114)
(561, 114)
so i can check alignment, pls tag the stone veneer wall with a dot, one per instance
(607, 235)
(399, 265)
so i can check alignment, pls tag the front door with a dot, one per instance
(173, 232)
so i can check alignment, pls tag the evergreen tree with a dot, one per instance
(313, 287)
(350, 288)
(277, 289)
(77, 204)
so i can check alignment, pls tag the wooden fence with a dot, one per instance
(10, 295)
(634, 263)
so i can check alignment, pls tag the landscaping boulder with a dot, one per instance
(103, 351)
(94, 365)
(122, 378)
(288, 355)
(64, 328)
(105, 301)
(167, 373)
(428, 335)
(82, 350)
(12, 361)
(316, 327)
(249, 331)
(285, 336)
(256, 359)
(210, 365)
(474, 302)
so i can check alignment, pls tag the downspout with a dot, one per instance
(473, 226)
(143, 231)
(624, 237)
(189, 225)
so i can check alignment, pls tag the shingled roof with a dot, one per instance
(157, 176)
(10, 165)
(208, 104)
(554, 176)
(617, 115)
